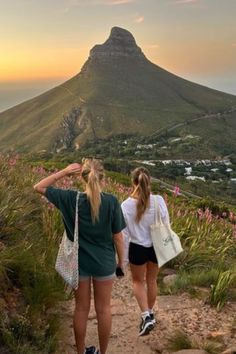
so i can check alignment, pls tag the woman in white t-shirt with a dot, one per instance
(139, 213)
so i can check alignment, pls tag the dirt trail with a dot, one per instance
(191, 315)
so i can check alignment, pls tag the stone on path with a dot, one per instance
(169, 280)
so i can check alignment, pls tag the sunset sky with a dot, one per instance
(46, 42)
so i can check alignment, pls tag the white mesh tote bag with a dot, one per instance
(166, 243)
(67, 262)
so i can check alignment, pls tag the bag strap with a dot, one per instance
(157, 211)
(76, 229)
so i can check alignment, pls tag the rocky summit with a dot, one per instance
(120, 43)
(119, 91)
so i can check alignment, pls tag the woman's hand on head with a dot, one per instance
(41, 186)
(73, 169)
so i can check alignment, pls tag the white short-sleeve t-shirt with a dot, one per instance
(139, 233)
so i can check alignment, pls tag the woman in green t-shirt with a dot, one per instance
(100, 224)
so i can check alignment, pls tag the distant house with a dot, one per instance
(148, 163)
(193, 178)
(188, 171)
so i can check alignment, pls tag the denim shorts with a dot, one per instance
(94, 277)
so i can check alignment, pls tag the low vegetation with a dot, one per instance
(29, 236)
(29, 285)
(179, 340)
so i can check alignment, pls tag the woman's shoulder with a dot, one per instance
(61, 191)
(128, 202)
(110, 197)
(158, 196)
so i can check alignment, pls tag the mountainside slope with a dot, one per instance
(117, 91)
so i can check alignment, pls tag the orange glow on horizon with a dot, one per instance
(63, 63)
(40, 65)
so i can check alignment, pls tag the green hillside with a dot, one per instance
(117, 91)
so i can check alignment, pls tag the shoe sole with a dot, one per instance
(146, 329)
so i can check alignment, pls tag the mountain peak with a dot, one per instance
(119, 34)
(120, 43)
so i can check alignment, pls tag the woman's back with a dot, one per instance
(139, 232)
(97, 252)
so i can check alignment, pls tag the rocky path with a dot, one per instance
(192, 316)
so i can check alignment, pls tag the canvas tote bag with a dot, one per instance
(68, 255)
(166, 243)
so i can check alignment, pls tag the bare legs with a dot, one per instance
(151, 280)
(145, 297)
(102, 299)
(82, 307)
(138, 275)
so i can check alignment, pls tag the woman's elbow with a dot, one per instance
(39, 189)
(118, 235)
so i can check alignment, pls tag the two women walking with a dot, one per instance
(101, 222)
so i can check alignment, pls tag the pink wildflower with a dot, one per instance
(231, 216)
(200, 214)
(39, 170)
(234, 232)
(176, 191)
(12, 162)
(13, 159)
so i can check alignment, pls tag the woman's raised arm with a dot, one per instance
(41, 186)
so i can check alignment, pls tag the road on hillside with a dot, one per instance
(190, 121)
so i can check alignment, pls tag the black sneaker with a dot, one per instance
(153, 318)
(91, 350)
(146, 326)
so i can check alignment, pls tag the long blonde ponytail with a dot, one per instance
(142, 190)
(93, 173)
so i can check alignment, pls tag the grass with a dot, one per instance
(180, 340)
(219, 291)
(29, 236)
(187, 281)
(28, 244)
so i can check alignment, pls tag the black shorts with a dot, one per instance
(139, 255)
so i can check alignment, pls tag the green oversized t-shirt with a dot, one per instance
(96, 246)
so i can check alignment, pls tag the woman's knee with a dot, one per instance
(103, 309)
(80, 307)
(138, 281)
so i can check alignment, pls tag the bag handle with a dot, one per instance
(157, 211)
(76, 230)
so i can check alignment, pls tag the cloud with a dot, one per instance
(139, 19)
(114, 2)
(99, 2)
(185, 1)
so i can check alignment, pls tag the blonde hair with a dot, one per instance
(92, 174)
(142, 189)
